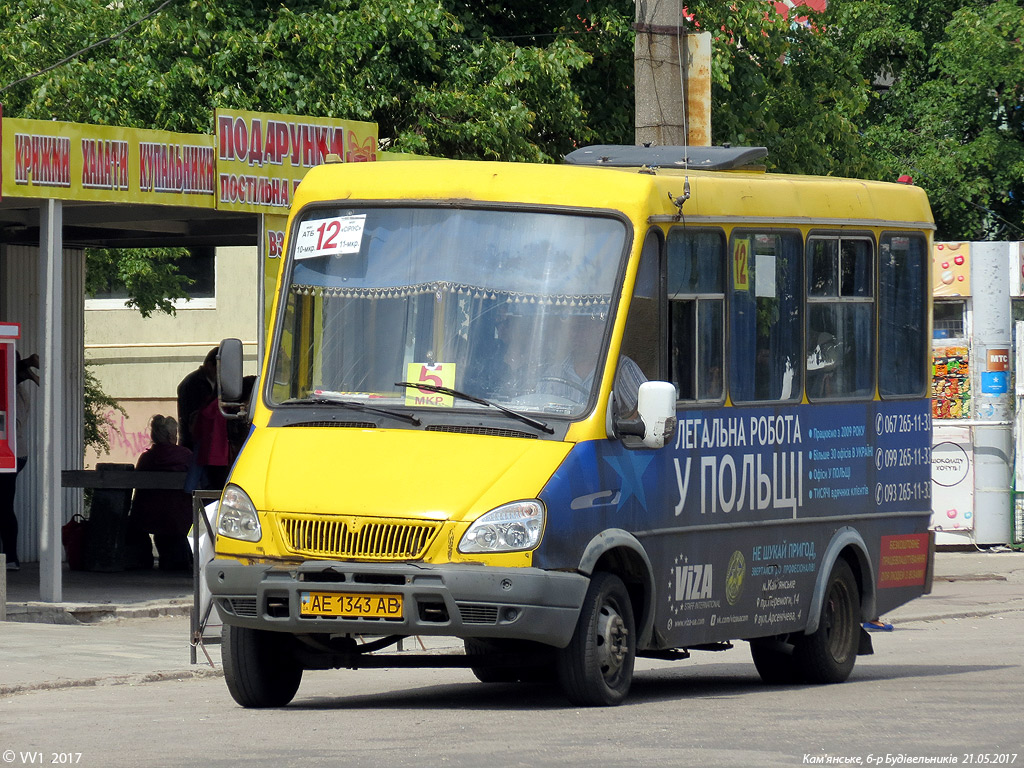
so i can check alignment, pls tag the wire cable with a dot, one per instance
(88, 48)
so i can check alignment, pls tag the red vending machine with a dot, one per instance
(9, 333)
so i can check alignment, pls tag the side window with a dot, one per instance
(840, 317)
(696, 308)
(106, 290)
(765, 318)
(902, 315)
(641, 339)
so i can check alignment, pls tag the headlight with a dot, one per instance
(236, 516)
(512, 527)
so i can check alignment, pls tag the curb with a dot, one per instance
(136, 679)
(897, 619)
(91, 613)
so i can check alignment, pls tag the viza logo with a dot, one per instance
(693, 582)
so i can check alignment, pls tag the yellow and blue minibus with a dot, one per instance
(650, 401)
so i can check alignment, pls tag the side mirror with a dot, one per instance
(656, 404)
(229, 372)
(641, 409)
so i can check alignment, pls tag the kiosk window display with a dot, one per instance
(9, 333)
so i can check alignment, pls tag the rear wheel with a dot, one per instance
(828, 654)
(259, 666)
(596, 668)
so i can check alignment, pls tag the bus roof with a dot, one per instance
(725, 197)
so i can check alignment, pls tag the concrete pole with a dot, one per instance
(993, 399)
(51, 320)
(670, 69)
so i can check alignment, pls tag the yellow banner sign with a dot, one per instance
(262, 157)
(273, 254)
(72, 161)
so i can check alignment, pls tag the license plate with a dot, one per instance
(375, 606)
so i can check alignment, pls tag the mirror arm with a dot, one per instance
(634, 427)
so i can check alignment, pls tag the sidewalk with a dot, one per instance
(133, 627)
(89, 597)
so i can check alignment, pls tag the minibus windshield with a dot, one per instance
(511, 306)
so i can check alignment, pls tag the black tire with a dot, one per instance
(528, 663)
(773, 658)
(596, 668)
(488, 673)
(828, 655)
(259, 667)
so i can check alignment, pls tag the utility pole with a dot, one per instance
(672, 77)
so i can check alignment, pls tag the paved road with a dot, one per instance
(934, 689)
(945, 684)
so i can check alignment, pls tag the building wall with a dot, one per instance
(139, 361)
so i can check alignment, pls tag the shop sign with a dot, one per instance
(99, 163)
(952, 479)
(951, 269)
(262, 156)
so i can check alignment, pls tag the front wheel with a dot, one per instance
(259, 666)
(773, 659)
(596, 668)
(520, 662)
(827, 655)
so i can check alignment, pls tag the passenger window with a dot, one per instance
(840, 318)
(902, 314)
(696, 302)
(766, 319)
(641, 338)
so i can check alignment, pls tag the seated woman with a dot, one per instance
(165, 514)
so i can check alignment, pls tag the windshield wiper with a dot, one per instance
(537, 423)
(329, 398)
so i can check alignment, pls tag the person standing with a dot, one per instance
(202, 427)
(194, 393)
(9, 480)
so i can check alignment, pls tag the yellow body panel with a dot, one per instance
(721, 196)
(367, 473)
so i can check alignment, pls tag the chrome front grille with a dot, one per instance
(356, 538)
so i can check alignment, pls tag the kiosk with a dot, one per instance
(973, 405)
(9, 333)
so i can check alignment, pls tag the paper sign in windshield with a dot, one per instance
(438, 374)
(330, 237)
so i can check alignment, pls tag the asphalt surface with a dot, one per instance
(134, 627)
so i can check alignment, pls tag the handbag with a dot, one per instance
(72, 535)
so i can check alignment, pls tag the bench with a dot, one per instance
(122, 479)
(118, 481)
(112, 486)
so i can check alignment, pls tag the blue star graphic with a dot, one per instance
(630, 468)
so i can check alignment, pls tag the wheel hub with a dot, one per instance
(612, 641)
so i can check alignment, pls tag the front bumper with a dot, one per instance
(448, 600)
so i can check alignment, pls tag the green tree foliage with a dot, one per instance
(870, 88)
(442, 77)
(784, 86)
(149, 276)
(878, 89)
(96, 418)
(953, 116)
